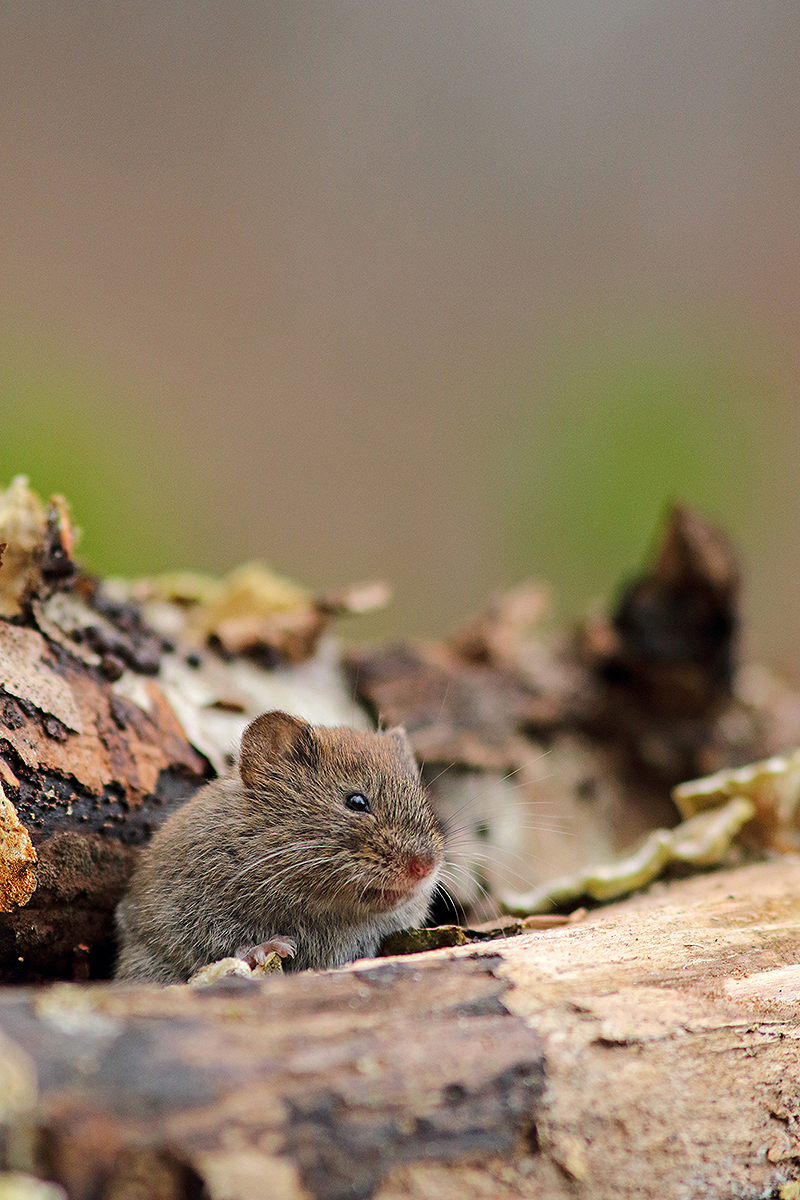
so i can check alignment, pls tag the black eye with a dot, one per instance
(357, 803)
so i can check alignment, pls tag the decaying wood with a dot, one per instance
(117, 701)
(90, 773)
(652, 1050)
(649, 1050)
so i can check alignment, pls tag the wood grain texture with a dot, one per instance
(344, 1075)
(651, 1051)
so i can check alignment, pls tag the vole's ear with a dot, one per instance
(271, 737)
(402, 745)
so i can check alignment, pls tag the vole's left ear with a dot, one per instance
(402, 745)
(272, 737)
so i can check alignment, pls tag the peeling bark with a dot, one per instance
(91, 774)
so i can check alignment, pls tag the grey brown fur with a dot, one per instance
(274, 853)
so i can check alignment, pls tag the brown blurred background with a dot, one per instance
(451, 293)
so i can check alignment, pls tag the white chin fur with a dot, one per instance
(416, 908)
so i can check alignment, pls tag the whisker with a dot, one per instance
(431, 782)
(462, 878)
(466, 845)
(444, 701)
(315, 844)
(292, 869)
(465, 884)
(496, 860)
(457, 904)
(497, 835)
(469, 833)
(485, 860)
(478, 885)
(354, 700)
(473, 801)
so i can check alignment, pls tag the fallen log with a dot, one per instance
(648, 1050)
(652, 1050)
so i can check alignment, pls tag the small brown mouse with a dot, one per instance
(321, 843)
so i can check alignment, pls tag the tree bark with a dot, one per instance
(652, 1050)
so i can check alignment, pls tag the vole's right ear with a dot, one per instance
(402, 745)
(274, 736)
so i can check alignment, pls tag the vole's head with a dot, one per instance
(349, 809)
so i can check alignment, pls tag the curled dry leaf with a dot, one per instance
(17, 858)
(702, 841)
(255, 612)
(498, 633)
(355, 599)
(253, 605)
(22, 523)
(251, 611)
(38, 546)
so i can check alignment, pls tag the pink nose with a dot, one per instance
(419, 865)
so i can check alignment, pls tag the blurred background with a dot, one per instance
(448, 293)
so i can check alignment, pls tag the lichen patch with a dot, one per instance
(17, 858)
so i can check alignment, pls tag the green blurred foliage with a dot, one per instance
(583, 455)
(74, 433)
(616, 430)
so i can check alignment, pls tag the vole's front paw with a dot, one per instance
(256, 956)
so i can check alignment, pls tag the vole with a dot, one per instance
(319, 844)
